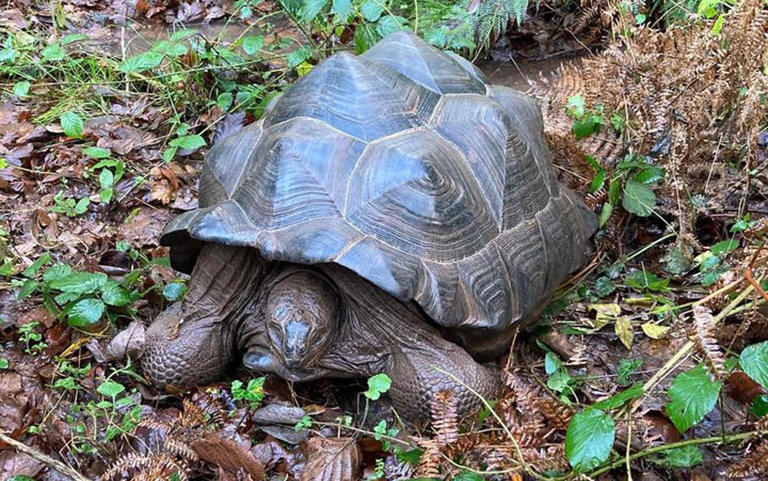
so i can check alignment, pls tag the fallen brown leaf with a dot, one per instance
(336, 459)
(229, 456)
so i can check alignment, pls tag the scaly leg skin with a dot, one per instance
(416, 379)
(193, 342)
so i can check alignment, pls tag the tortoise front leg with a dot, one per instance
(193, 342)
(418, 375)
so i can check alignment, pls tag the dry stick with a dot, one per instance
(44, 458)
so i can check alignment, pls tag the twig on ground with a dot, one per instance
(43, 458)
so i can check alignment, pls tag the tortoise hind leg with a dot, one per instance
(417, 376)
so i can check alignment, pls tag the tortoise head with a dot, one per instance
(302, 311)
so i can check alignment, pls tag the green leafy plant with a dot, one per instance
(69, 206)
(693, 394)
(589, 439)
(377, 385)
(252, 394)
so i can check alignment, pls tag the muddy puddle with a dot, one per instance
(522, 74)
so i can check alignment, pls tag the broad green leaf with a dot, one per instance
(676, 261)
(4, 363)
(587, 126)
(654, 331)
(604, 286)
(693, 394)
(377, 385)
(372, 9)
(295, 58)
(724, 247)
(638, 199)
(224, 100)
(140, 63)
(718, 25)
(33, 268)
(27, 289)
(641, 279)
(599, 180)
(754, 361)
(97, 152)
(343, 9)
(110, 388)
(113, 294)
(589, 439)
(623, 329)
(21, 89)
(650, 174)
(310, 9)
(7, 269)
(189, 142)
(605, 214)
(3, 162)
(82, 205)
(106, 182)
(79, 282)
(682, 457)
(71, 124)
(57, 272)
(85, 313)
(252, 44)
(390, 24)
(552, 363)
(619, 399)
(53, 53)
(759, 407)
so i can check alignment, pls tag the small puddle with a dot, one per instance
(522, 74)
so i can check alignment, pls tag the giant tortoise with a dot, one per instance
(391, 212)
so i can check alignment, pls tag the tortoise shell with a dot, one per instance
(405, 166)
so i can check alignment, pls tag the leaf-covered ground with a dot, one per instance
(651, 363)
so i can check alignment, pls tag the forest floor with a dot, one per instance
(651, 363)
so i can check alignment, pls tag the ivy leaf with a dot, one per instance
(85, 313)
(107, 182)
(82, 205)
(754, 361)
(693, 395)
(589, 439)
(377, 385)
(650, 174)
(638, 199)
(252, 44)
(71, 124)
